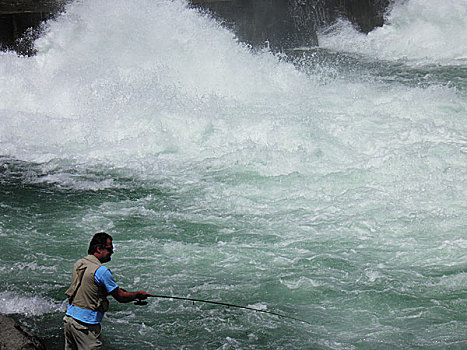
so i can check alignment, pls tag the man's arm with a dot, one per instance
(122, 296)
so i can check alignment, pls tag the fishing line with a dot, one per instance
(139, 302)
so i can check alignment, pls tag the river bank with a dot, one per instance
(14, 336)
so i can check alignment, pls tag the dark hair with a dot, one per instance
(99, 240)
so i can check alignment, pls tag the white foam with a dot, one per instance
(33, 266)
(302, 282)
(27, 304)
(124, 80)
(418, 31)
(175, 94)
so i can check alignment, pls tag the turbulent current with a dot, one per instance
(328, 183)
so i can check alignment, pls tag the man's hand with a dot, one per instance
(122, 296)
(142, 295)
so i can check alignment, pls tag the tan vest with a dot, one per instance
(84, 292)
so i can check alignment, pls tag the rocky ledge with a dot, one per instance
(13, 336)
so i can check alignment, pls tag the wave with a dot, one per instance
(416, 31)
(133, 82)
(29, 305)
(122, 75)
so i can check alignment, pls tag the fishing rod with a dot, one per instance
(140, 302)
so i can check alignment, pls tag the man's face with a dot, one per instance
(106, 252)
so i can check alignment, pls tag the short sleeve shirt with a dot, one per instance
(102, 277)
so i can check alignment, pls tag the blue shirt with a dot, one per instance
(102, 277)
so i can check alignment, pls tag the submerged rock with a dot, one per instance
(13, 336)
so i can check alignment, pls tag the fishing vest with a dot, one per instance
(84, 292)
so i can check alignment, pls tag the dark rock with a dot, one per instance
(20, 21)
(365, 14)
(285, 24)
(13, 336)
(279, 24)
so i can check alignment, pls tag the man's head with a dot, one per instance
(101, 246)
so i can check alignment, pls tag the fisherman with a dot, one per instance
(87, 295)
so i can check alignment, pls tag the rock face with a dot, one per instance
(13, 336)
(286, 24)
(20, 18)
(279, 24)
(364, 14)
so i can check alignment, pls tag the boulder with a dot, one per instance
(13, 336)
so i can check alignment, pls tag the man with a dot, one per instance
(87, 295)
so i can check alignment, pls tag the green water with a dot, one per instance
(387, 279)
